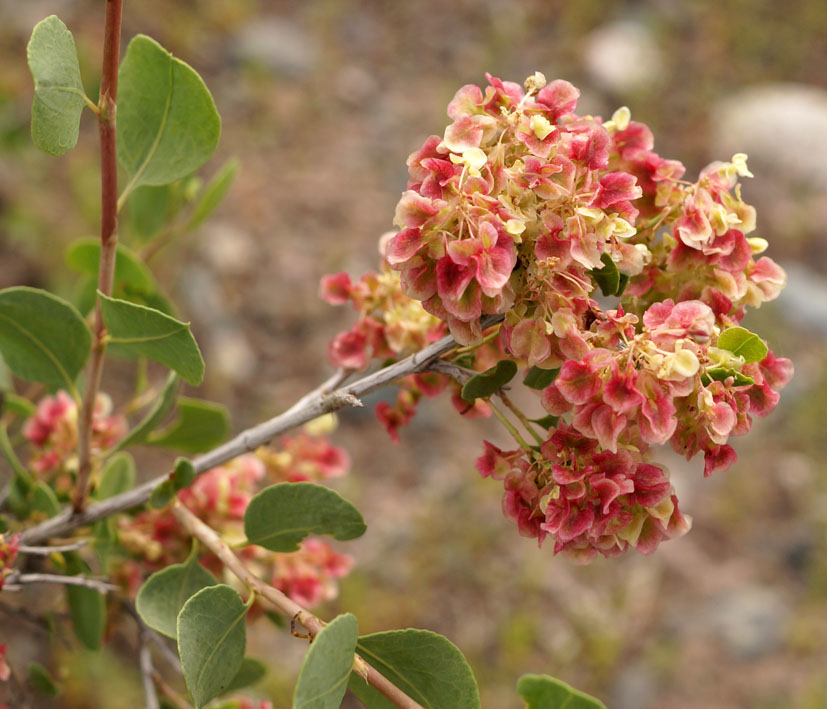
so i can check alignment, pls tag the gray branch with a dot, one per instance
(330, 396)
(17, 580)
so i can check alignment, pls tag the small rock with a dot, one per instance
(622, 56)
(783, 126)
(279, 45)
(749, 620)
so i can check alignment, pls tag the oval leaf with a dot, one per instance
(138, 331)
(211, 641)
(160, 410)
(280, 516)
(324, 674)
(483, 385)
(59, 97)
(252, 670)
(118, 476)
(41, 681)
(214, 192)
(87, 609)
(151, 207)
(543, 691)
(163, 595)
(743, 343)
(42, 338)
(44, 500)
(608, 277)
(200, 426)
(424, 665)
(167, 122)
(540, 378)
(133, 281)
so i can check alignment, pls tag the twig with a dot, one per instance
(16, 580)
(156, 638)
(320, 401)
(506, 399)
(462, 375)
(172, 696)
(45, 551)
(109, 239)
(147, 670)
(210, 539)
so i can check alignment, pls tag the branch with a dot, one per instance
(210, 539)
(320, 401)
(16, 580)
(45, 551)
(109, 239)
(147, 671)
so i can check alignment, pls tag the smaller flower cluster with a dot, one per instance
(220, 498)
(587, 499)
(667, 383)
(390, 324)
(306, 456)
(53, 432)
(9, 547)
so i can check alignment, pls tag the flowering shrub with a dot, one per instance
(524, 210)
(512, 222)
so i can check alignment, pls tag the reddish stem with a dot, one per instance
(109, 238)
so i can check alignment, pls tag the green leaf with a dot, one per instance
(214, 193)
(160, 410)
(723, 373)
(42, 338)
(200, 426)
(133, 281)
(211, 641)
(545, 692)
(167, 122)
(105, 541)
(150, 208)
(252, 670)
(118, 476)
(280, 516)
(87, 608)
(324, 674)
(44, 500)
(161, 495)
(6, 383)
(609, 278)
(59, 97)
(183, 474)
(138, 331)
(26, 478)
(41, 681)
(17, 405)
(163, 595)
(743, 343)
(486, 383)
(424, 665)
(546, 421)
(540, 378)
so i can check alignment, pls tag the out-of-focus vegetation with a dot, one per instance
(321, 103)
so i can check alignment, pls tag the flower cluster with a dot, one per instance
(524, 209)
(220, 497)
(53, 432)
(306, 456)
(588, 499)
(390, 323)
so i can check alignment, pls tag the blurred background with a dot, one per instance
(321, 103)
